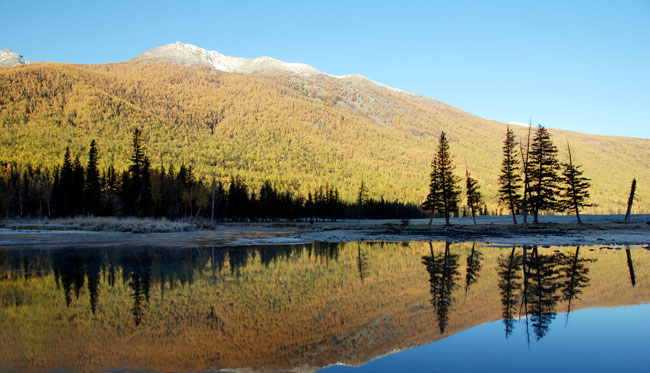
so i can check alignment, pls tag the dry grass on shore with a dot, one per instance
(103, 224)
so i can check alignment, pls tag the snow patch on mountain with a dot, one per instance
(188, 54)
(9, 58)
(518, 124)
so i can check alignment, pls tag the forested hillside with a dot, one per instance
(298, 132)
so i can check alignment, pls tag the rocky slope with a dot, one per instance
(9, 58)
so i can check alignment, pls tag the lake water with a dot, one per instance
(419, 306)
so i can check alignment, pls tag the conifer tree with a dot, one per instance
(575, 188)
(510, 180)
(110, 186)
(362, 196)
(542, 170)
(92, 191)
(432, 202)
(309, 207)
(63, 187)
(137, 183)
(474, 197)
(443, 188)
(78, 183)
(144, 200)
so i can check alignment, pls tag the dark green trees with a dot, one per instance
(92, 189)
(362, 196)
(63, 187)
(474, 197)
(575, 188)
(510, 180)
(76, 201)
(238, 198)
(443, 189)
(136, 184)
(542, 173)
(432, 202)
(69, 187)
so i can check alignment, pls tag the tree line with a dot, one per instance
(166, 191)
(531, 180)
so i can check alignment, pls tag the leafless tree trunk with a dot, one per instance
(629, 202)
(212, 216)
(524, 160)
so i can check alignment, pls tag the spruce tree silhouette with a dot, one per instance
(542, 170)
(443, 274)
(575, 277)
(474, 264)
(509, 179)
(362, 263)
(509, 285)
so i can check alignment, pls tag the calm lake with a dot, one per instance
(418, 306)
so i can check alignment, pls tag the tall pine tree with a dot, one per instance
(362, 197)
(76, 201)
(92, 190)
(63, 187)
(575, 188)
(474, 197)
(542, 170)
(432, 202)
(443, 188)
(144, 198)
(510, 180)
(136, 184)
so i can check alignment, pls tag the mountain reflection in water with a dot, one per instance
(284, 307)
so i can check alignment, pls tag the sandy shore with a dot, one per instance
(499, 230)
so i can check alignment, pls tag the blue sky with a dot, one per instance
(582, 66)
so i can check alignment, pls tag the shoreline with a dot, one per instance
(494, 230)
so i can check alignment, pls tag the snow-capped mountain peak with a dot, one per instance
(9, 58)
(188, 54)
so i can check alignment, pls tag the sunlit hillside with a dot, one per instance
(297, 131)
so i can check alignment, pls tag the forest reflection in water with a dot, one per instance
(289, 306)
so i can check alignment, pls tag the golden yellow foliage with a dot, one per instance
(297, 132)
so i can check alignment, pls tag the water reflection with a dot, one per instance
(443, 275)
(143, 268)
(544, 281)
(630, 266)
(284, 307)
(575, 270)
(509, 286)
(362, 262)
(474, 262)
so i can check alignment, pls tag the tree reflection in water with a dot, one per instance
(443, 274)
(539, 281)
(509, 285)
(547, 279)
(362, 262)
(575, 278)
(474, 263)
(630, 266)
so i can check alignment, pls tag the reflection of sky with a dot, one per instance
(593, 340)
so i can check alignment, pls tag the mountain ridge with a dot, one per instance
(190, 54)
